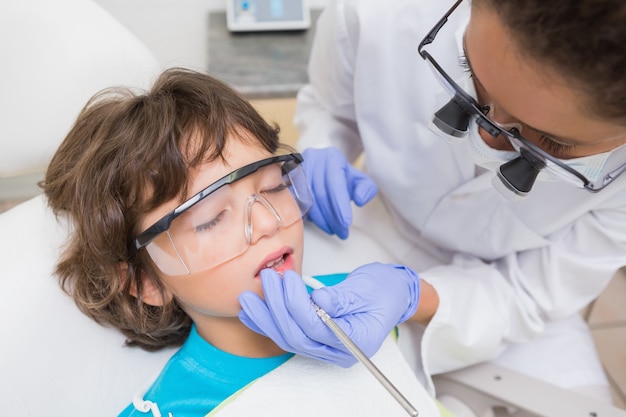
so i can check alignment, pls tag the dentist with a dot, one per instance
(494, 131)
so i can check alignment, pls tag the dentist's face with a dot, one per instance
(521, 90)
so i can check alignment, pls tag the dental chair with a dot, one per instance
(54, 361)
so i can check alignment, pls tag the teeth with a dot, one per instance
(273, 263)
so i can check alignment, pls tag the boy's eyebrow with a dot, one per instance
(549, 136)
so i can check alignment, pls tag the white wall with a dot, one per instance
(175, 30)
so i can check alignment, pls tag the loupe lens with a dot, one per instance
(452, 119)
(519, 174)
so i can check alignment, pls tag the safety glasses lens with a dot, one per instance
(222, 225)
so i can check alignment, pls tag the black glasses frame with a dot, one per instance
(144, 238)
(473, 108)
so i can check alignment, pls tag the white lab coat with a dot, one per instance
(503, 270)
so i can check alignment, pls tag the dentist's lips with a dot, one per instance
(279, 261)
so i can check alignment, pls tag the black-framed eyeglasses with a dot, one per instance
(216, 224)
(519, 174)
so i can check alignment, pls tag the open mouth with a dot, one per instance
(279, 262)
(276, 263)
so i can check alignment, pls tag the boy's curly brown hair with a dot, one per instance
(128, 153)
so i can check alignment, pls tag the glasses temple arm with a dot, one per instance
(433, 32)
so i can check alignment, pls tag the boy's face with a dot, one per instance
(212, 293)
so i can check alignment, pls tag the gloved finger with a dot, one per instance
(333, 201)
(298, 302)
(316, 214)
(256, 315)
(339, 182)
(340, 300)
(245, 319)
(361, 291)
(325, 343)
(368, 333)
(249, 309)
(317, 330)
(365, 330)
(290, 305)
(276, 300)
(387, 289)
(258, 318)
(331, 190)
(363, 188)
(327, 172)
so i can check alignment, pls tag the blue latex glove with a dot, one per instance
(334, 183)
(366, 305)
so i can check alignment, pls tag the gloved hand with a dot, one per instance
(366, 305)
(334, 183)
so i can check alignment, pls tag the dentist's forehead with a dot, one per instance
(531, 92)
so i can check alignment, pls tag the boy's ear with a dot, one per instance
(150, 292)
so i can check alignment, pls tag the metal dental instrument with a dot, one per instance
(354, 349)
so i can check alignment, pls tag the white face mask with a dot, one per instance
(591, 166)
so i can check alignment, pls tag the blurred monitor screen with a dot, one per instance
(264, 15)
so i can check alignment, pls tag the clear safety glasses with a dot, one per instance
(218, 223)
(519, 174)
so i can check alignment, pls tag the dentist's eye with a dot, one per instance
(555, 148)
(464, 63)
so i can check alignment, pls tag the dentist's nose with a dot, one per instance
(503, 120)
(261, 219)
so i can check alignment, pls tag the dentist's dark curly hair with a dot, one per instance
(128, 153)
(582, 40)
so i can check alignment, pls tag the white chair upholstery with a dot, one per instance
(54, 361)
(55, 55)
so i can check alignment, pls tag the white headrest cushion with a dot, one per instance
(54, 361)
(55, 56)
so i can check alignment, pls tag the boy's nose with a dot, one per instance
(261, 219)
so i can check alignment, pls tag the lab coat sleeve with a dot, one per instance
(325, 113)
(485, 306)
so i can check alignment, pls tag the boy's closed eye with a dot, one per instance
(277, 188)
(212, 223)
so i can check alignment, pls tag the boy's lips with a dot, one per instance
(278, 261)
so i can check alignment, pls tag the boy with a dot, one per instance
(182, 199)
